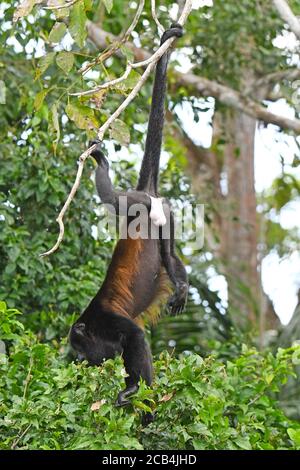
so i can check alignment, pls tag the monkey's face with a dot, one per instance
(91, 346)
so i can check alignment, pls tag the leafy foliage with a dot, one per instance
(48, 403)
(227, 400)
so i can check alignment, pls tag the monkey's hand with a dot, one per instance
(98, 154)
(124, 394)
(177, 302)
(175, 30)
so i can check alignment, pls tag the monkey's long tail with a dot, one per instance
(148, 178)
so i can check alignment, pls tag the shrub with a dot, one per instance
(47, 402)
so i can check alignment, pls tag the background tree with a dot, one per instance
(48, 53)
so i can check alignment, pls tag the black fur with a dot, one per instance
(101, 333)
(148, 179)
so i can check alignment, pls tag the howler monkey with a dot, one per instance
(109, 325)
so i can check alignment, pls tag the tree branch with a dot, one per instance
(275, 77)
(116, 45)
(154, 16)
(72, 193)
(68, 4)
(288, 16)
(236, 100)
(205, 87)
(150, 62)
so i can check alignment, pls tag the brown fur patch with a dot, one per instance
(152, 313)
(121, 272)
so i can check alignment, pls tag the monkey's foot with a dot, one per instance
(124, 394)
(177, 302)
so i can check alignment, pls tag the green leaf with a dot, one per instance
(129, 83)
(120, 132)
(39, 99)
(65, 61)
(57, 32)
(243, 443)
(108, 5)
(269, 378)
(2, 92)
(294, 434)
(141, 405)
(128, 53)
(44, 63)
(83, 116)
(198, 444)
(77, 23)
(88, 4)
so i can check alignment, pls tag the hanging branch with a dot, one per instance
(150, 63)
(72, 193)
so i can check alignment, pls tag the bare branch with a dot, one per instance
(154, 16)
(150, 66)
(68, 4)
(72, 193)
(275, 77)
(152, 60)
(105, 55)
(126, 102)
(236, 100)
(288, 16)
(101, 38)
(205, 87)
(20, 436)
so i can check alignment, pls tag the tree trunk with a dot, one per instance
(239, 223)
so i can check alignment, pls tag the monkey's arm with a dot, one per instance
(175, 270)
(117, 201)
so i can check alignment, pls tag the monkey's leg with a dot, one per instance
(175, 270)
(116, 201)
(137, 360)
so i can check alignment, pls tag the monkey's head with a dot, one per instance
(89, 343)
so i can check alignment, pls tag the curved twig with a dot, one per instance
(70, 197)
(151, 62)
(154, 16)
